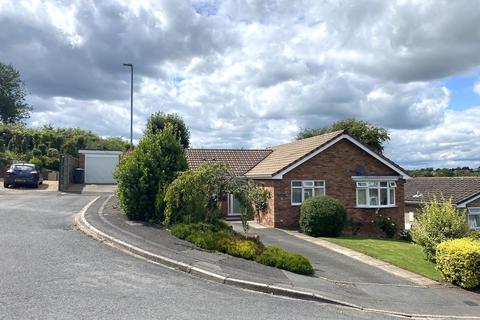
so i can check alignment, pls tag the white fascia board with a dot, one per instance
(100, 152)
(463, 204)
(331, 143)
(374, 178)
(264, 177)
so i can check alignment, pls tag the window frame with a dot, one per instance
(473, 211)
(231, 197)
(368, 185)
(306, 184)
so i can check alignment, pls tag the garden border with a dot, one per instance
(111, 241)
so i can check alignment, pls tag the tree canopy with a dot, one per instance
(158, 120)
(365, 132)
(13, 108)
(20, 143)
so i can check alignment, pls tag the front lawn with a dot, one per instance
(399, 253)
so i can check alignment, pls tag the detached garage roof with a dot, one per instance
(460, 189)
(99, 152)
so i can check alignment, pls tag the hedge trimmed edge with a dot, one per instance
(459, 261)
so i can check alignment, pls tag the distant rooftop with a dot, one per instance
(424, 189)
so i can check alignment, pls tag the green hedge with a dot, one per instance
(222, 238)
(280, 258)
(459, 261)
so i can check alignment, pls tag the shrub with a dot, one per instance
(277, 257)
(387, 225)
(218, 238)
(147, 171)
(322, 216)
(405, 235)
(244, 248)
(459, 261)
(36, 161)
(474, 234)
(437, 222)
(196, 195)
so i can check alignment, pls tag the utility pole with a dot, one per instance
(131, 102)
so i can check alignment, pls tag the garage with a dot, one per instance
(99, 165)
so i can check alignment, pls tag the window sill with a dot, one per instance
(375, 207)
(296, 204)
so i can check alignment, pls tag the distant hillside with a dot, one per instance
(445, 172)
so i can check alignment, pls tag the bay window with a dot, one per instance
(375, 194)
(474, 218)
(304, 189)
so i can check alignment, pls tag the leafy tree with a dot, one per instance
(144, 174)
(196, 195)
(157, 122)
(13, 108)
(444, 173)
(370, 135)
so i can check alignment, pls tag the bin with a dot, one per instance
(78, 175)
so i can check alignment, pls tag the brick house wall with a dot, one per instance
(336, 165)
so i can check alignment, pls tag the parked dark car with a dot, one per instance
(23, 174)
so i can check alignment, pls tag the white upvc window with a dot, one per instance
(304, 189)
(376, 194)
(474, 218)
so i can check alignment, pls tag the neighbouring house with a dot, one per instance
(335, 164)
(463, 192)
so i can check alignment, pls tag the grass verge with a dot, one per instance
(402, 254)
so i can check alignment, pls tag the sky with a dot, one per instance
(251, 74)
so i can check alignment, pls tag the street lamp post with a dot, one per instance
(131, 102)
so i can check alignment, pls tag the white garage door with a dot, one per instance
(99, 168)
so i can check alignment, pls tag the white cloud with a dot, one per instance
(454, 142)
(247, 73)
(476, 87)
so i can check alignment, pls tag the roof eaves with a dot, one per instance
(468, 199)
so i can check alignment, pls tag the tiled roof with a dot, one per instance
(423, 189)
(287, 154)
(239, 161)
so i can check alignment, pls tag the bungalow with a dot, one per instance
(464, 192)
(334, 164)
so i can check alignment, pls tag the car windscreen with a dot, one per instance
(23, 168)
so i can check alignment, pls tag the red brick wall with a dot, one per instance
(267, 217)
(336, 165)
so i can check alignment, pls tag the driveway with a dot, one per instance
(370, 286)
(50, 270)
(47, 185)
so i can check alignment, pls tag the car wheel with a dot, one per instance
(35, 186)
(5, 185)
(41, 182)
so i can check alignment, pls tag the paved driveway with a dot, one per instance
(50, 270)
(46, 186)
(361, 283)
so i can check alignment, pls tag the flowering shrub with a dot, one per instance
(387, 225)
